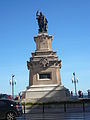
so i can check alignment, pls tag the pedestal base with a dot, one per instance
(46, 93)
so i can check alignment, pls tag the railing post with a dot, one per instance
(43, 107)
(83, 106)
(64, 106)
(24, 107)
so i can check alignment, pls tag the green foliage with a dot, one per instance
(78, 101)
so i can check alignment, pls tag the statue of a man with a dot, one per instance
(42, 22)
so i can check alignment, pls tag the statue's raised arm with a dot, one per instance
(37, 13)
(42, 22)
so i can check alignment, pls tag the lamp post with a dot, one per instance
(75, 81)
(12, 82)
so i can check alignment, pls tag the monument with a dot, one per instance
(44, 69)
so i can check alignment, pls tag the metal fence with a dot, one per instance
(78, 106)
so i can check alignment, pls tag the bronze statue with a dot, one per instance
(42, 22)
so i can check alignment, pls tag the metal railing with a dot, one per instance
(70, 106)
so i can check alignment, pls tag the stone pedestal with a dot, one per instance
(44, 73)
(46, 93)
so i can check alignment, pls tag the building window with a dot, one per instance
(45, 76)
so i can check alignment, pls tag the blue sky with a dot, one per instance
(68, 22)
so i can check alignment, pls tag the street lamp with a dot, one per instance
(12, 82)
(75, 81)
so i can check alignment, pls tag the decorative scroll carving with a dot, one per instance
(44, 62)
(58, 63)
(29, 64)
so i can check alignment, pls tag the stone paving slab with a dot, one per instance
(56, 116)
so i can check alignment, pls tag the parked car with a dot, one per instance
(5, 96)
(10, 109)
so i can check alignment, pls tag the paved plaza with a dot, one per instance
(56, 116)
